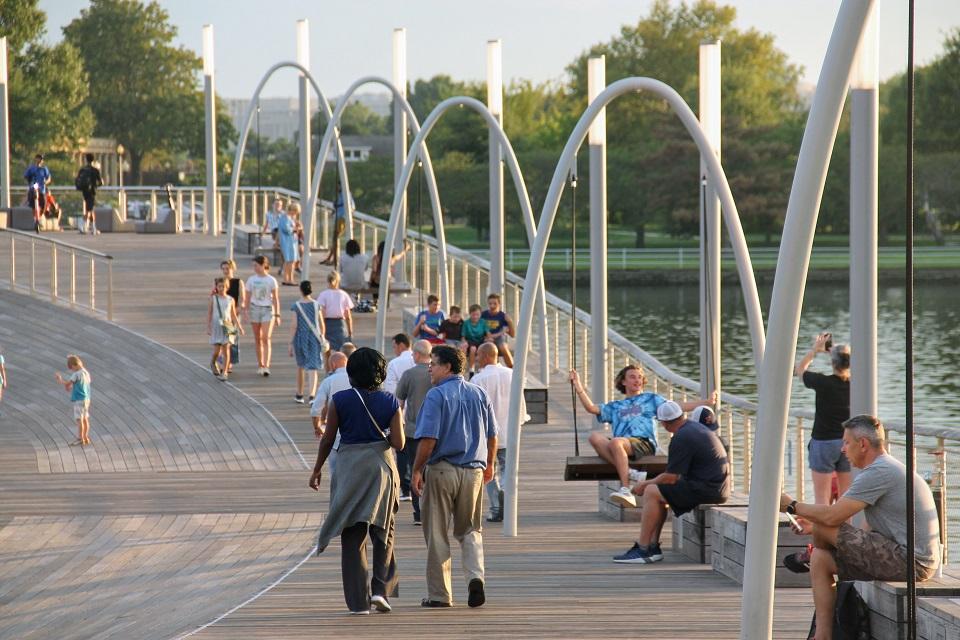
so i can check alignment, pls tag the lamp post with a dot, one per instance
(303, 58)
(495, 105)
(864, 132)
(259, 147)
(210, 130)
(709, 224)
(597, 140)
(400, 147)
(4, 129)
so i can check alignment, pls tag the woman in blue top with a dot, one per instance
(365, 490)
(632, 422)
(287, 237)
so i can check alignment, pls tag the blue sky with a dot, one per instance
(352, 38)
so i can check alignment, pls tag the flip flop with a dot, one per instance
(77, 442)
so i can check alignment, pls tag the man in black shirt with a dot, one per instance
(87, 182)
(698, 472)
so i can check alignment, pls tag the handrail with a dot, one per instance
(60, 243)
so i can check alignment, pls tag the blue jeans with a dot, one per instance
(495, 486)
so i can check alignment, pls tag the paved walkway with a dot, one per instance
(183, 512)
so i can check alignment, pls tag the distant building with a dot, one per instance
(280, 117)
(362, 148)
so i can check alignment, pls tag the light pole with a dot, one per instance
(210, 124)
(597, 140)
(259, 147)
(709, 224)
(303, 59)
(864, 122)
(400, 148)
(495, 105)
(4, 129)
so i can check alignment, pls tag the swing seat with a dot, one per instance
(596, 468)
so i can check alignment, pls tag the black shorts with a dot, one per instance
(89, 201)
(36, 200)
(682, 497)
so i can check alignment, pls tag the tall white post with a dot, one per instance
(709, 224)
(597, 138)
(864, 132)
(4, 129)
(776, 370)
(495, 104)
(210, 130)
(400, 148)
(303, 59)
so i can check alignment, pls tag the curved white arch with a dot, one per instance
(547, 217)
(245, 132)
(510, 158)
(332, 130)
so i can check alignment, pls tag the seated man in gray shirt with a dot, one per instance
(879, 553)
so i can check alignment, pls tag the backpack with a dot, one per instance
(851, 617)
(84, 180)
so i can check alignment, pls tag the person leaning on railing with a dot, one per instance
(631, 420)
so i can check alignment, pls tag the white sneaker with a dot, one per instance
(380, 604)
(624, 498)
(637, 476)
(359, 613)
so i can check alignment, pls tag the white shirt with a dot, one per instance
(353, 269)
(335, 303)
(395, 369)
(336, 381)
(495, 379)
(261, 290)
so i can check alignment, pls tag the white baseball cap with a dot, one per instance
(669, 411)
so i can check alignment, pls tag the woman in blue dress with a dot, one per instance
(306, 341)
(287, 237)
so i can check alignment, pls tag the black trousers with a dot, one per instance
(405, 459)
(357, 585)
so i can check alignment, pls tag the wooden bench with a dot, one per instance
(596, 468)
(247, 238)
(887, 602)
(938, 618)
(729, 547)
(692, 533)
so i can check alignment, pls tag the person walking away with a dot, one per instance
(631, 421)
(495, 379)
(336, 304)
(38, 177)
(402, 361)
(411, 390)
(365, 485)
(238, 292)
(306, 340)
(87, 182)
(262, 310)
(77, 384)
(288, 243)
(222, 327)
(457, 430)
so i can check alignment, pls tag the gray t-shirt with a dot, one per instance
(412, 388)
(882, 485)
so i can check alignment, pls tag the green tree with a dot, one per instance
(143, 90)
(47, 85)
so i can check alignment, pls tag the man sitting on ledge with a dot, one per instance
(877, 553)
(698, 472)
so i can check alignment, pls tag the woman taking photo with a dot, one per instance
(365, 488)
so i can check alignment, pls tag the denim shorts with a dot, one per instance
(825, 456)
(260, 315)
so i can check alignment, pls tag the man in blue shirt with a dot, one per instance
(38, 177)
(458, 441)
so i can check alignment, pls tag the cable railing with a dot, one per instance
(60, 272)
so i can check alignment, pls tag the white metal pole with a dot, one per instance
(399, 146)
(4, 129)
(710, 224)
(864, 133)
(495, 104)
(303, 135)
(597, 138)
(210, 123)
(777, 369)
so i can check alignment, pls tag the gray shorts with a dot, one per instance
(260, 314)
(500, 340)
(826, 456)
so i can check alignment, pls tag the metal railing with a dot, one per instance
(58, 271)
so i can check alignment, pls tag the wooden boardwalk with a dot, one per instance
(193, 500)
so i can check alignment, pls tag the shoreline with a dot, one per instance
(730, 276)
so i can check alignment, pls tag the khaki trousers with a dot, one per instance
(451, 492)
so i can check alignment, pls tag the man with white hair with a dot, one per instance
(495, 379)
(411, 390)
(335, 381)
(698, 472)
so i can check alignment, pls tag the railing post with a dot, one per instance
(747, 453)
(110, 290)
(412, 266)
(556, 338)
(941, 455)
(153, 205)
(425, 265)
(73, 279)
(516, 301)
(363, 238)
(193, 210)
(206, 209)
(476, 286)
(732, 453)
(93, 286)
(465, 297)
(179, 210)
(53, 272)
(801, 471)
(13, 262)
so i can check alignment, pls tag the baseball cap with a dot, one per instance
(669, 411)
(705, 416)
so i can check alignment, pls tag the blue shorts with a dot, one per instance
(825, 456)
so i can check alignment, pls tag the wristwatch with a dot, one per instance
(792, 508)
